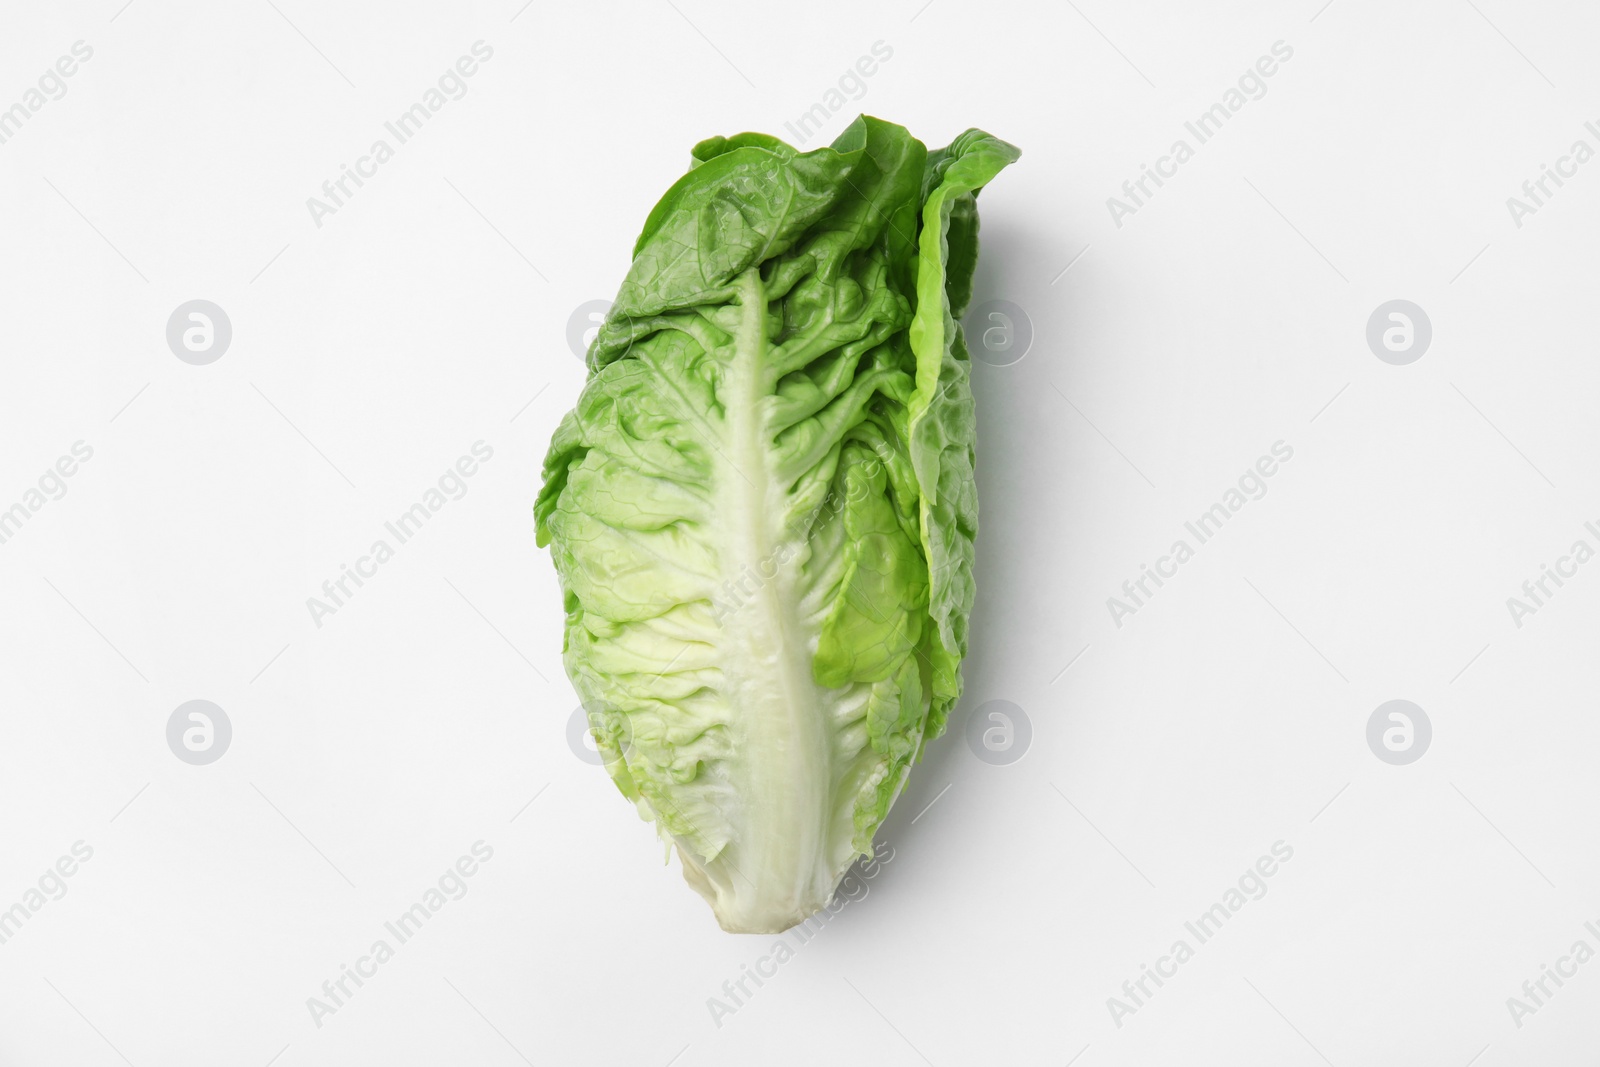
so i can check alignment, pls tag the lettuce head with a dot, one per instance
(762, 508)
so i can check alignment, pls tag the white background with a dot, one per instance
(431, 312)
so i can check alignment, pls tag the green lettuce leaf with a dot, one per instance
(762, 508)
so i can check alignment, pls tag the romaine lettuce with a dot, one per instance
(762, 508)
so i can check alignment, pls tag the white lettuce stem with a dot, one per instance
(775, 871)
